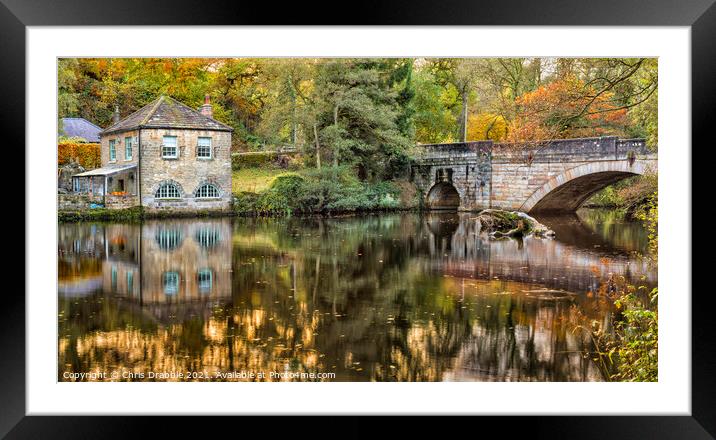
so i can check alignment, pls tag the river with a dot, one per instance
(388, 297)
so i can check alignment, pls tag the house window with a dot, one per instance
(168, 191)
(203, 149)
(130, 282)
(207, 191)
(114, 279)
(168, 239)
(171, 283)
(169, 147)
(206, 237)
(204, 280)
(112, 150)
(128, 148)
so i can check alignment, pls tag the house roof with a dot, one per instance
(107, 170)
(80, 127)
(166, 112)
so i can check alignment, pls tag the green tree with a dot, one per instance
(359, 116)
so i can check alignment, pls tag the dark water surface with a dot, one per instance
(390, 297)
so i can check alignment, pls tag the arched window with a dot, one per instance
(207, 191)
(168, 191)
(207, 237)
(168, 239)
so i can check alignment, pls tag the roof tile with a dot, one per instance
(166, 112)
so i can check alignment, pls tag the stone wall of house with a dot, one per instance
(120, 139)
(120, 202)
(74, 202)
(187, 171)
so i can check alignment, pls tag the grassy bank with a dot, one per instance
(95, 215)
(254, 180)
(131, 215)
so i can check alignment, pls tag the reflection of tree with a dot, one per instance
(368, 298)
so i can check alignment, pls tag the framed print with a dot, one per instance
(408, 219)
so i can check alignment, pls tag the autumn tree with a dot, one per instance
(484, 126)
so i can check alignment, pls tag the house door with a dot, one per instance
(120, 185)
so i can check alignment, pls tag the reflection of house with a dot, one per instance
(169, 261)
(164, 156)
(185, 261)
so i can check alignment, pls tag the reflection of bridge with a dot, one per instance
(461, 251)
(554, 175)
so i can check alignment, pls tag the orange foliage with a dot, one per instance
(88, 155)
(566, 108)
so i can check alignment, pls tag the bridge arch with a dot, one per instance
(443, 195)
(569, 189)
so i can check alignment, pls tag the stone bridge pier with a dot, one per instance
(556, 175)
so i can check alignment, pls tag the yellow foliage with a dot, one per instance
(88, 155)
(484, 126)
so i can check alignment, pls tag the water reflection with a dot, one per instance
(389, 297)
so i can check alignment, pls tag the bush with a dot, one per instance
(284, 196)
(245, 203)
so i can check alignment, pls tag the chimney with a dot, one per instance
(206, 109)
(115, 115)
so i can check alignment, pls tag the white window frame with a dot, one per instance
(199, 146)
(128, 148)
(197, 193)
(158, 194)
(165, 147)
(112, 150)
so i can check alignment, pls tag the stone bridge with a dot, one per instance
(556, 175)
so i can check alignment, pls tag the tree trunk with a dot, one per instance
(463, 117)
(293, 111)
(335, 147)
(318, 147)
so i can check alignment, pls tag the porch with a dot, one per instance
(111, 186)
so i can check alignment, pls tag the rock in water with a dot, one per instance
(499, 223)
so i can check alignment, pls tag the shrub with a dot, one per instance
(245, 203)
(284, 196)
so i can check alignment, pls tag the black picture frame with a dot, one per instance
(700, 15)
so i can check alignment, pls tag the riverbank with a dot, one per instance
(630, 195)
(132, 215)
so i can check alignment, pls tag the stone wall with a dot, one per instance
(120, 202)
(188, 171)
(75, 202)
(467, 167)
(521, 177)
(120, 145)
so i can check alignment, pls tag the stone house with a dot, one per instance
(165, 156)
